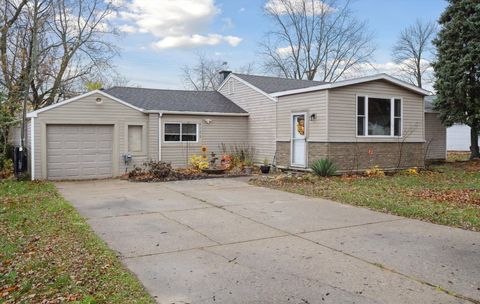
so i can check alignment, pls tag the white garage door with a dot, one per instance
(79, 151)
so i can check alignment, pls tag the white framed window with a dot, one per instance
(180, 132)
(379, 116)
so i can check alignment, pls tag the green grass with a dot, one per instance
(48, 252)
(446, 194)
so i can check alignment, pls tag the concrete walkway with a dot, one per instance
(224, 241)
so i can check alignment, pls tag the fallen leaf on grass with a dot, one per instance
(456, 196)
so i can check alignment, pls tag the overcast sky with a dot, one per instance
(160, 36)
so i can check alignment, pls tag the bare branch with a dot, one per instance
(413, 51)
(315, 39)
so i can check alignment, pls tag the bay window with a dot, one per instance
(379, 116)
(181, 132)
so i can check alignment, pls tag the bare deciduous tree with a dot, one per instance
(204, 74)
(71, 39)
(315, 39)
(413, 51)
(80, 32)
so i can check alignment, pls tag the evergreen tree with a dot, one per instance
(457, 68)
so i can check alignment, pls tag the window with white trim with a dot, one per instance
(181, 132)
(379, 116)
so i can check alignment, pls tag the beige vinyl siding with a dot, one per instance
(309, 103)
(229, 130)
(435, 137)
(28, 144)
(86, 111)
(342, 111)
(153, 128)
(261, 120)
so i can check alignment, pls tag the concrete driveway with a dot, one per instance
(224, 241)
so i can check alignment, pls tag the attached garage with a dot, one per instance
(106, 133)
(79, 151)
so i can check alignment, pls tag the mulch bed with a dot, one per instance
(179, 176)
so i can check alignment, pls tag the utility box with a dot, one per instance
(20, 160)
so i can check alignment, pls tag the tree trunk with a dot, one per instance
(474, 151)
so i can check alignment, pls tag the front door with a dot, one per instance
(299, 144)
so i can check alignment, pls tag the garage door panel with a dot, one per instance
(104, 144)
(79, 151)
(104, 158)
(90, 159)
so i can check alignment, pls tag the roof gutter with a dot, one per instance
(195, 113)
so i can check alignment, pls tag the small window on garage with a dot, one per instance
(135, 141)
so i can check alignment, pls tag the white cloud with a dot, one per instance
(232, 40)
(178, 23)
(127, 28)
(116, 3)
(242, 9)
(195, 41)
(284, 51)
(281, 7)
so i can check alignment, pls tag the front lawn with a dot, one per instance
(447, 194)
(48, 253)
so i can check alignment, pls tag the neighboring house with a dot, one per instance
(457, 136)
(358, 123)
(435, 133)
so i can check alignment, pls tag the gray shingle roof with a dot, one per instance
(276, 84)
(429, 103)
(175, 100)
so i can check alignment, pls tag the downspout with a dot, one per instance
(160, 136)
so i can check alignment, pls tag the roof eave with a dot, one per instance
(197, 113)
(327, 86)
(248, 84)
(67, 101)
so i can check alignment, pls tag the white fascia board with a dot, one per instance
(338, 84)
(197, 113)
(53, 106)
(248, 84)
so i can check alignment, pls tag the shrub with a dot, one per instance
(151, 170)
(6, 170)
(158, 169)
(412, 171)
(375, 171)
(199, 162)
(324, 167)
(409, 171)
(136, 172)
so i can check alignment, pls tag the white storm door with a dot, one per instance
(299, 143)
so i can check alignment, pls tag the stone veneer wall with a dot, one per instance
(359, 156)
(282, 154)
